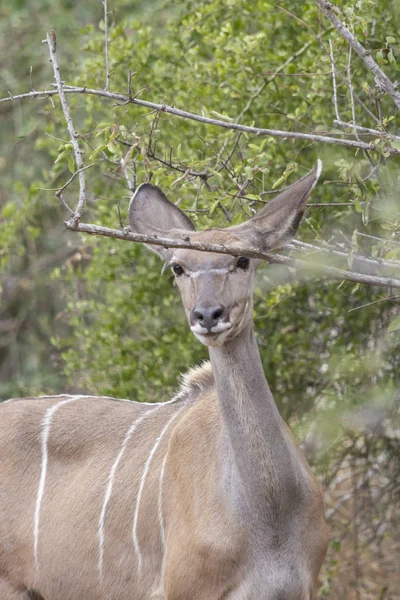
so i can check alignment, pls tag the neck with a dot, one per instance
(264, 455)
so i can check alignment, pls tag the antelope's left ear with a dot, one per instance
(276, 224)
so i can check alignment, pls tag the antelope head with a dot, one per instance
(217, 289)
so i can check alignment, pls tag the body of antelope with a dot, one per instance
(204, 497)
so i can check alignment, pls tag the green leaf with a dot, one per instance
(394, 325)
(71, 163)
(357, 204)
(97, 151)
(220, 116)
(278, 182)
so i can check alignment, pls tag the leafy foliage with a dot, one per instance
(96, 315)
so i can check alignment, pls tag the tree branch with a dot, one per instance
(51, 42)
(332, 272)
(359, 259)
(368, 130)
(381, 79)
(124, 99)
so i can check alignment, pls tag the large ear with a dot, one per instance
(151, 213)
(276, 224)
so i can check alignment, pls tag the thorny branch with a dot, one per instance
(186, 242)
(51, 42)
(124, 99)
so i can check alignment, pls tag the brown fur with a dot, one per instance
(204, 498)
(205, 540)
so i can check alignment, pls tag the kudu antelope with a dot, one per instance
(204, 497)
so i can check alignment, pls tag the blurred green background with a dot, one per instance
(95, 315)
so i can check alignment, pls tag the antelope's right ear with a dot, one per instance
(151, 213)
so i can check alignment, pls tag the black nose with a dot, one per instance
(208, 317)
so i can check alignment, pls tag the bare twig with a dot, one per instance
(381, 79)
(368, 130)
(108, 75)
(31, 80)
(335, 102)
(359, 258)
(386, 299)
(201, 174)
(61, 189)
(123, 99)
(379, 239)
(224, 162)
(346, 497)
(350, 86)
(332, 272)
(51, 42)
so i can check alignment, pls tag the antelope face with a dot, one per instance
(217, 289)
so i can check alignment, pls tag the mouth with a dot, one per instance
(213, 337)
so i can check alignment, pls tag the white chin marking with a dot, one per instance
(198, 329)
(212, 339)
(221, 327)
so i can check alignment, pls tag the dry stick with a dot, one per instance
(51, 42)
(350, 87)
(359, 258)
(335, 102)
(379, 239)
(338, 120)
(381, 79)
(123, 99)
(395, 138)
(60, 190)
(106, 44)
(333, 272)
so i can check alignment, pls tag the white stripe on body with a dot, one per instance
(111, 475)
(46, 423)
(41, 397)
(141, 486)
(51, 397)
(160, 512)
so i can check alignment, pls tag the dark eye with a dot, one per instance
(177, 269)
(243, 263)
